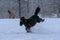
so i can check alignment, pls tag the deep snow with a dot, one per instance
(47, 30)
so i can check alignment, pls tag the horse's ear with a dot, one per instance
(9, 11)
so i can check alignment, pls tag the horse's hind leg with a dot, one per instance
(28, 29)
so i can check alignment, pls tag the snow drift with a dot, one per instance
(47, 30)
(49, 25)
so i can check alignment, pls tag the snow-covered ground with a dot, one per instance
(48, 30)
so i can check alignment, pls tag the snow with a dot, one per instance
(47, 30)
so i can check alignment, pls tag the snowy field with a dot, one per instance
(48, 30)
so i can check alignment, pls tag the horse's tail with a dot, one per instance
(37, 11)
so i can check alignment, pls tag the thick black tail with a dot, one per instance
(37, 10)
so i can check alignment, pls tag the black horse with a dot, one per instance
(30, 22)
